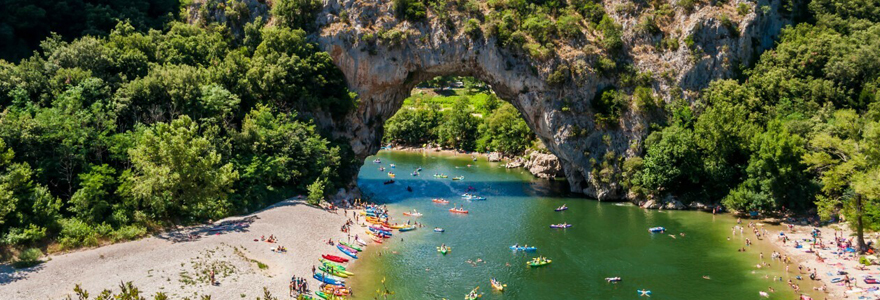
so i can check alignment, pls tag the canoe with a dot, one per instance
(331, 271)
(476, 198)
(383, 233)
(396, 226)
(352, 250)
(347, 252)
(562, 208)
(444, 250)
(442, 201)
(360, 241)
(521, 248)
(328, 279)
(457, 211)
(458, 178)
(332, 264)
(349, 245)
(560, 225)
(644, 293)
(497, 285)
(657, 229)
(439, 230)
(407, 228)
(539, 263)
(412, 214)
(334, 258)
(337, 290)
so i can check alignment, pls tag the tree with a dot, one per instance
(844, 153)
(459, 129)
(296, 13)
(506, 131)
(177, 173)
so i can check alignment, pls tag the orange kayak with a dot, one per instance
(458, 211)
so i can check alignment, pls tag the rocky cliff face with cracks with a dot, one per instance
(383, 58)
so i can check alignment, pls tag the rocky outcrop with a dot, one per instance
(383, 58)
(544, 165)
(495, 156)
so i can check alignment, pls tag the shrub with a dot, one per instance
(411, 10)
(75, 233)
(128, 232)
(730, 25)
(687, 5)
(28, 258)
(611, 34)
(296, 13)
(648, 25)
(568, 24)
(605, 65)
(643, 97)
(472, 28)
(743, 9)
(537, 50)
(29, 235)
(316, 191)
(593, 12)
(558, 76)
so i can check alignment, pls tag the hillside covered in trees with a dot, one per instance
(108, 137)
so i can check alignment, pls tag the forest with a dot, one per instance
(106, 138)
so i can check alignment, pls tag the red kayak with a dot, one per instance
(334, 258)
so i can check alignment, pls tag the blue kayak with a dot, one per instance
(521, 248)
(328, 279)
(349, 253)
(376, 230)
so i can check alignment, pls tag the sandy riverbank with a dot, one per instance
(178, 266)
(830, 262)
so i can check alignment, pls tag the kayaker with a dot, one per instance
(313, 270)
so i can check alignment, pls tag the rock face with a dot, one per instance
(383, 58)
(495, 156)
(545, 166)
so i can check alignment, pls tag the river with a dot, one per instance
(606, 240)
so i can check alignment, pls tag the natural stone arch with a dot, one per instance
(384, 70)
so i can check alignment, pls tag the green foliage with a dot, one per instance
(687, 5)
(612, 34)
(559, 76)
(24, 24)
(411, 10)
(28, 258)
(505, 131)
(414, 125)
(743, 9)
(295, 13)
(472, 28)
(316, 192)
(177, 172)
(729, 25)
(459, 127)
(568, 24)
(607, 107)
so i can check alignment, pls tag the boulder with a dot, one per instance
(545, 166)
(495, 156)
(670, 202)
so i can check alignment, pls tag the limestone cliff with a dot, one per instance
(383, 58)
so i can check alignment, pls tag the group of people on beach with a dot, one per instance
(298, 285)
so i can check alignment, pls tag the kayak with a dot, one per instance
(349, 245)
(476, 198)
(657, 229)
(347, 252)
(497, 285)
(539, 263)
(560, 225)
(440, 201)
(521, 248)
(644, 293)
(360, 241)
(613, 279)
(380, 231)
(331, 271)
(458, 211)
(352, 250)
(332, 264)
(304, 297)
(444, 250)
(439, 229)
(328, 279)
(407, 228)
(396, 226)
(412, 214)
(458, 178)
(563, 208)
(337, 290)
(334, 258)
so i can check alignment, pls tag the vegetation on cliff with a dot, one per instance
(801, 129)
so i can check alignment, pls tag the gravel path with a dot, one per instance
(178, 266)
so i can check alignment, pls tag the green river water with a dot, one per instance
(606, 240)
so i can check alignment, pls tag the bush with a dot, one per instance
(743, 9)
(605, 65)
(687, 5)
(28, 258)
(316, 191)
(648, 25)
(410, 10)
(128, 232)
(611, 34)
(731, 27)
(76, 233)
(569, 25)
(29, 235)
(296, 13)
(472, 28)
(558, 76)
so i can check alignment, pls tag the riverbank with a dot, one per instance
(179, 263)
(826, 260)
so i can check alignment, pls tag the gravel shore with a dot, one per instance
(177, 265)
